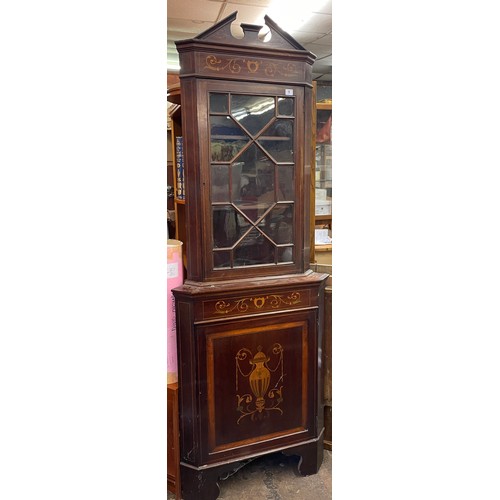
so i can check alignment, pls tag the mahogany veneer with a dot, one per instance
(249, 316)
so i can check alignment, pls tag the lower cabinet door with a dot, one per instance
(258, 383)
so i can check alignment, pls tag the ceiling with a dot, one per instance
(311, 28)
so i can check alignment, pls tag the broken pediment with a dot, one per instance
(253, 35)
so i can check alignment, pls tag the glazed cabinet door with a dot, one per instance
(257, 383)
(251, 170)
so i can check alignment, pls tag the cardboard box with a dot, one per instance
(323, 207)
(320, 194)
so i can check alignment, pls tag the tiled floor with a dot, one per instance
(275, 477)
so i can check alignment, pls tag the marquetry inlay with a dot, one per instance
(256, 303)
(221, 308)
(260, 375)
(238, 65)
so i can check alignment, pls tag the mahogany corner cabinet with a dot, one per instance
(249, 315)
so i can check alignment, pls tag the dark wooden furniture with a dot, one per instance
(249, 315)
(174, 97)
(327, 354)
(327, 366)
(173, 452)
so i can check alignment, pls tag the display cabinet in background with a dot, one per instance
(323, 160)
(321, 206)
(177, 163)
(250, 313)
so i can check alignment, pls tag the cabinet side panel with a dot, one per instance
(319, 382)
(308, 112)
(186, 352)
(192, 180)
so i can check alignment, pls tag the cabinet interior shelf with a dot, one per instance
(320, 218)
(324, 105)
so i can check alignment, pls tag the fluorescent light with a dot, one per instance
(296, 13)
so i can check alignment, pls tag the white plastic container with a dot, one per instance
(323, 207)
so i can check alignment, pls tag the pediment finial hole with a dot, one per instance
(237, 30)
(265, 34)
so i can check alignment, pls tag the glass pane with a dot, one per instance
(323, 126)
(218, 103)
(252, 179)
(324, 92)
(220, 183)
(227, 229)
(278, 224)
(222, 259)
(253, 112)
(254, 249)
(253, 183)
(227, 138)
(238, 180)
(285, 254)
(285, 106)
(278, 140)
(254, 209)
(286, 190)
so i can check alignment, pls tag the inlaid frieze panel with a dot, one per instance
(230, 66)
(255, 303)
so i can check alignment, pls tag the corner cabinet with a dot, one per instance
(249, 313)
